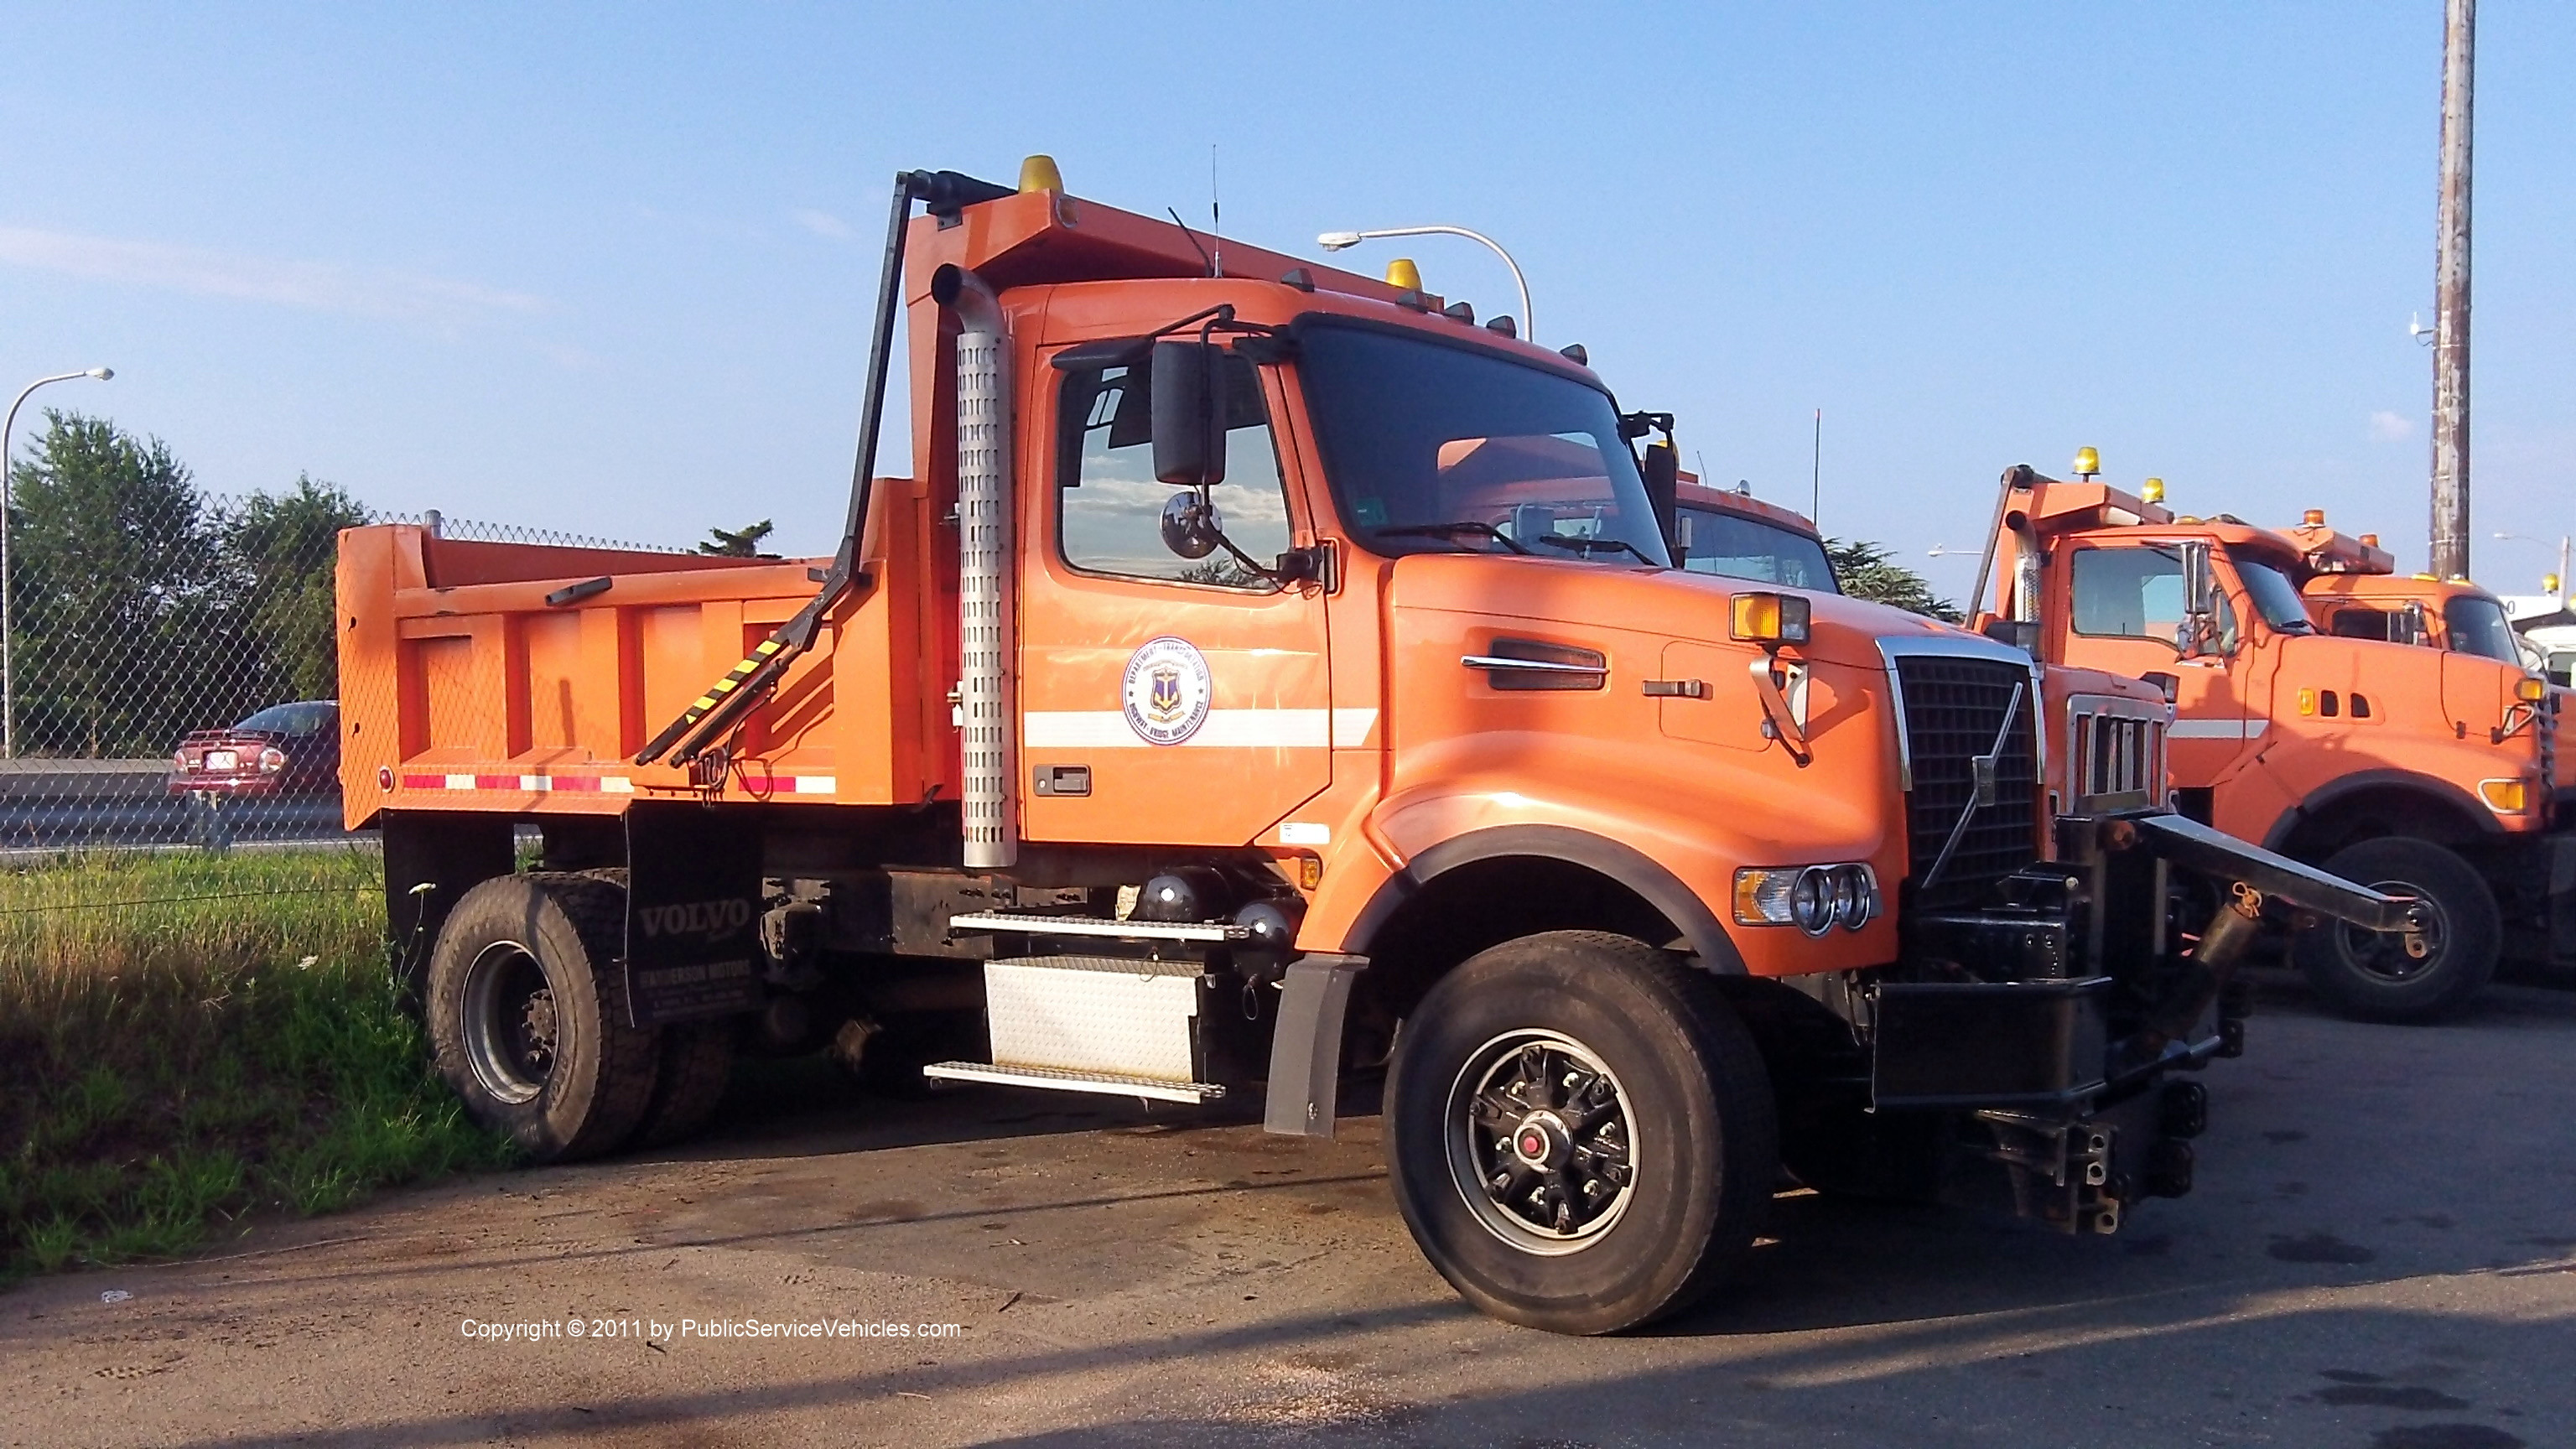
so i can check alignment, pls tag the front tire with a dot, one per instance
(527, 1014)
(2369, 974)
(1582, 1132)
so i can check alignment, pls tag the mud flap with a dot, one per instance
(1306, 1046)
(431, 860)
(692, 913)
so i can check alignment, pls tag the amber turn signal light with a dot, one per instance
(1766, 618)
(2531, 691)
(2505, 797)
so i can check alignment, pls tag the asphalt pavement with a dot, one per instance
(2381, 1252)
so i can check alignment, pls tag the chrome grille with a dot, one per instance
(2115, 755)
(1955, 706)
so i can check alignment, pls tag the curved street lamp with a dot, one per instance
(8, 471)
(1334, 241)
(2562, 546)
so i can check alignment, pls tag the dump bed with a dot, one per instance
(522, 678)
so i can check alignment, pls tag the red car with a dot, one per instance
(285, 749)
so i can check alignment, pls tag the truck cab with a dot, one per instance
(1733, 534)
(1267, 678)
(2433, 769)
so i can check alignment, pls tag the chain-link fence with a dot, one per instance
(168, 667)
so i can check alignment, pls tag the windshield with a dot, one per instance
(2478, 626)
(1436, 447)
(307, 718)
(2275, 597)
(1712, 542)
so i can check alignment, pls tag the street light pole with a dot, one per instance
(8, 639)
(1333, 241)
(2564, 542)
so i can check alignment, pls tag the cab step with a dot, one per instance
(1120, 1025)
(1039, 923)
(1061, 1081)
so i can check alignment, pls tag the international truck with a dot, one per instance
(1268, 676)
(2428, 772)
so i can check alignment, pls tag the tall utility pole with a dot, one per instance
(2451, 300)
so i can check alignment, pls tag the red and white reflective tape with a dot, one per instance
(791, 784)
(525, 784)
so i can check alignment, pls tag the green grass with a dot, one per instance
(185, 1040)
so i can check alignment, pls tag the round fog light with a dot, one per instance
(1851, 897)
(1811, 901)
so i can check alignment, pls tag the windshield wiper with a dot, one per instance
(1452, 530)
(1587, 545)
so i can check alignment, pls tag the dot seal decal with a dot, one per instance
(1167, 691)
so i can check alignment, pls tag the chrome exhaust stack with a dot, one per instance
(984, 618)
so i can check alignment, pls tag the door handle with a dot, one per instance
(1532, 666)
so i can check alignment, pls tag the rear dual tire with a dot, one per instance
(1582, 1132)
(528, 1022)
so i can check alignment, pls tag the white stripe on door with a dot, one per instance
(1242, 729)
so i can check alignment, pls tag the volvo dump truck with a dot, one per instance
(2427, 772)
(1267, 675)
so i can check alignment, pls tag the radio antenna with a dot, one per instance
(1216, 220)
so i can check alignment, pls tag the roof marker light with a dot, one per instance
(1038, 173)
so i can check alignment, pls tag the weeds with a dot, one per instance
(184, 1040)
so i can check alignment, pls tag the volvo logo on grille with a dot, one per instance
(1982, 767)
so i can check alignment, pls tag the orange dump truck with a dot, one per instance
(2427, 772)
(1268, 676)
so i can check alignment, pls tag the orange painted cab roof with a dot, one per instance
(1745, 505)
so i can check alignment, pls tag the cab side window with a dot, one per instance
(1109, 505)
(2136, 593)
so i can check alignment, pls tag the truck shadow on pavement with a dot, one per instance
(2379, 1254)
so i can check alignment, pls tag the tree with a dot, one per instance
(113, 567)
(1870, 571)
(733, 543)
(280, 554)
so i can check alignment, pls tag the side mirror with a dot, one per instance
(2408, 626)
(1190, 523)
(2021, 634)
(1189, 414)
(1663, 475)
(2199, 600)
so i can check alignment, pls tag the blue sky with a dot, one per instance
(608, 268)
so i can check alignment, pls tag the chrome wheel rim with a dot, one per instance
(2382, 955)
(1541, 1142)
(511, 1030)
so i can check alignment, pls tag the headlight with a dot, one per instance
(1855, 896)
(272, 760)
(1813, 898)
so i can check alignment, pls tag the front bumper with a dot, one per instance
(2045, 1024)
